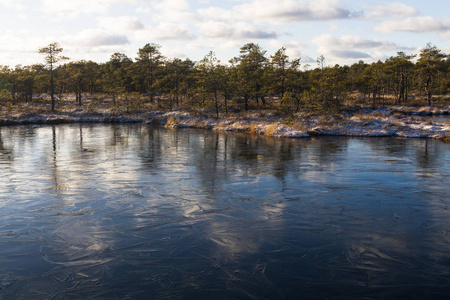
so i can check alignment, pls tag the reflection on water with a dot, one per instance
(113, 212)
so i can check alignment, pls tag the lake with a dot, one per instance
(137, 212)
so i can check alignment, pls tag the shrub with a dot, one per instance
(5, 95)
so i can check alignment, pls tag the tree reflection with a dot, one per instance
(329, 149)
(56, 178)
(427, 155)
(81, 137)
(149, 142)
(119, 136)
(6, 153)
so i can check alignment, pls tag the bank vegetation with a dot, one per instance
(274, 87)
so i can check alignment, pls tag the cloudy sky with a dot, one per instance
(344, 31)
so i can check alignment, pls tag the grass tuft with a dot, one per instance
(172, 122)
(253, 128)
(271, 129)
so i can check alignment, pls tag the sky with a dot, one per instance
(343, 31)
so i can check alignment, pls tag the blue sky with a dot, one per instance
(344, 31)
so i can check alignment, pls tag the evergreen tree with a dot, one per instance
(53, 55)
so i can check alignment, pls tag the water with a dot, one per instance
(135, 212)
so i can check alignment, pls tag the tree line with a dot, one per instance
(251, 80)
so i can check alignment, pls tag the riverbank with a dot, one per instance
(366, 123)
(361, 122)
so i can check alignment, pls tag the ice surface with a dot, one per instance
(135, 212)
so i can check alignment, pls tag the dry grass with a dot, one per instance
(299, 126)
(172, 122)
(398, 123)
(271, 129)
(253, 128)
(325, 121)
(398, 115)
(364, 117)
(378, 114)
(220, 126)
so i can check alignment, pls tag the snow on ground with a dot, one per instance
(421, 111)
(370, 123)
(387, 126)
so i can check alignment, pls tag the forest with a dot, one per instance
(254, 80)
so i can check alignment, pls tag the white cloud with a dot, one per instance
(334, 27)
(284, 11)
(352, 42)
(172, 52)
(14, 4)
(172, 5)
(193, 28)
(353, 47)
(216, 29)
(176, 16)
(167, 11)
(217, 13)
(238, 30)
(294, 50)
(350, 54)
(165, 31)
(23, 41)
(396, 9)
(14, 43)
(121, 24)
(425, 24)
(203, 45)
(21, 47)
(77, 7)
(96, 38)
(143, 10)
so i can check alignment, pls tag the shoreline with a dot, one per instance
(361, 122)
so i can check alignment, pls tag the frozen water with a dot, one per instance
(131, 211)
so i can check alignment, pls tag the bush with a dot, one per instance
(5, 95)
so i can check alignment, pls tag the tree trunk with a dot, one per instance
(52, 89)
(226, 104)
(374, 94)
(216, 102)
(401, 93)
(406, 89)
(428, 89)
